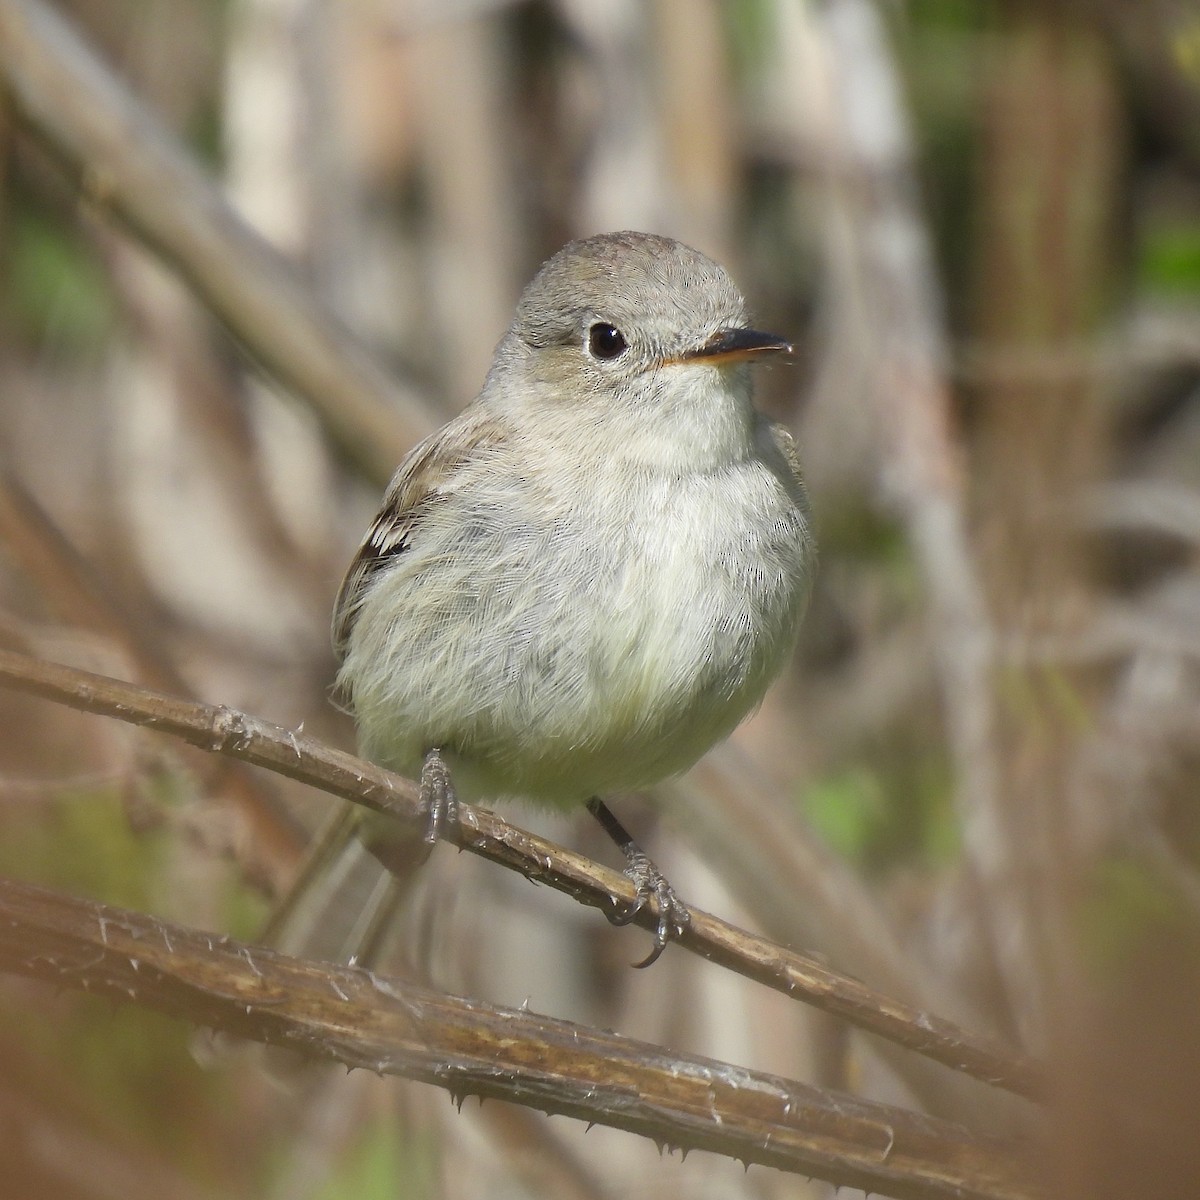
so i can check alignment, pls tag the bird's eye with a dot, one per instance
(606, 341)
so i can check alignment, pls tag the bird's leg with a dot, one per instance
(437, 797)
(650, 882)
(401, 852)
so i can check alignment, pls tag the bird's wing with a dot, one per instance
(422, 481)
(785, 445)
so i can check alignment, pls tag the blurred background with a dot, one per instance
(976, 787)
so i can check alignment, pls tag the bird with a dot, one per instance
(593, 572)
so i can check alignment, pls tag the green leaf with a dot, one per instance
(847, 810)
(55, 291)
(382, 1165)
(1170, 258)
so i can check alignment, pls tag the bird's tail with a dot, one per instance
(344, 902)
(344, 907)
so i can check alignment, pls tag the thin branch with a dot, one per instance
(70, 586)
(354, 1017)
(131, 165)
(303, 758)
(799, 890)
(922, 468)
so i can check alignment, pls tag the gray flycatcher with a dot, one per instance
(593, 573)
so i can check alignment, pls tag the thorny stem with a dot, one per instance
(303, 758)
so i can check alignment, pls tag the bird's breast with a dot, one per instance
(707, 590)
(582, 636)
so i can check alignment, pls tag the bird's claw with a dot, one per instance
(438, 798)
(651, 883)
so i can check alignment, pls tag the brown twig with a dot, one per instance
(351, 1016)
(129, 164)
(71, 588)
(303, 758)
(799, 890)
(922, 458)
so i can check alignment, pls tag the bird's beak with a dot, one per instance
(729, 345)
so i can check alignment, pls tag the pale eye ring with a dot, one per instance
(606, 342)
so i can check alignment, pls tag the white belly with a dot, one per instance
(584, 653)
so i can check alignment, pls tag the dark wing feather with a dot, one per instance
(420, 482)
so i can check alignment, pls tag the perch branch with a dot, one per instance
(227, 731)
(350, 1015)
(71, 588)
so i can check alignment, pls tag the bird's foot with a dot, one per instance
(651, 883)
(438, 798)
